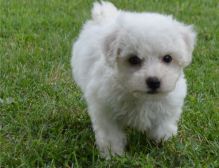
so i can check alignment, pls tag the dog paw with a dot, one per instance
(108, 152)
(163, 133)
(111, 147)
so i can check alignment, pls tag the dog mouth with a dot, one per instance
(152, 92)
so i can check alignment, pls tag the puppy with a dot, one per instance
(130, 68)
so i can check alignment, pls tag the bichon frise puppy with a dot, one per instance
(130, 68)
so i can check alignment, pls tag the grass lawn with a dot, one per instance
(43, 120)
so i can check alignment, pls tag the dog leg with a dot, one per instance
(164, 130)
(110, 138)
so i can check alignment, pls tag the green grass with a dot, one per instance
(43, 120)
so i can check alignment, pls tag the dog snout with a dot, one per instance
(153, 83)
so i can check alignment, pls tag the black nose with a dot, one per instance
(153, 83)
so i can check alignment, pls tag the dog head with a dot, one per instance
(148, 51)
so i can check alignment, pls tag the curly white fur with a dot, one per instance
(116, 93)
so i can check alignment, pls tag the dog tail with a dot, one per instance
(103, 10)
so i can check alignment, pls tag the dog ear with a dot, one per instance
(189, 37)
(110, 47)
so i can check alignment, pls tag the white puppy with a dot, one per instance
(130, 68)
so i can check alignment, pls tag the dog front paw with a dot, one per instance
(107, 150)
(111, 145)
(163, 132)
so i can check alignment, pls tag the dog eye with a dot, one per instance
(167, 59)
(134, 60)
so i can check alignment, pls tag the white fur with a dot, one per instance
(116, 93)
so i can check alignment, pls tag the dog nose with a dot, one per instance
(153, 83)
